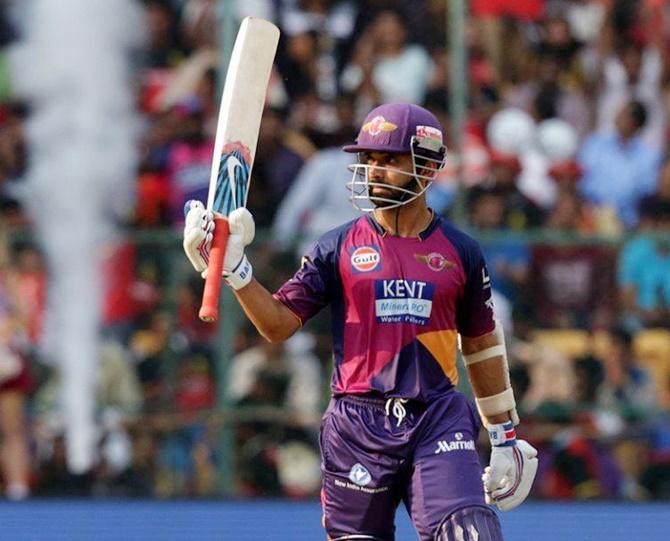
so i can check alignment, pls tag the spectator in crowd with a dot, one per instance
(337, 124)
(189, 326)
(661, 197)
(165, 48)
(619, 167)
(570, 214)
(520, 213)
(31, 286)
(627, 386)
(15, 382)
(381, 54)
(299, 65)
(655, 478)
(584, 17)
(644, 270)
(199, 24)
(13, 161)
(195, 386)
(190, 158)
(553, 87)
(589, 375)
(493, 21)
(632, 66)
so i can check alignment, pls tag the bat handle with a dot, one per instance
(209, 310)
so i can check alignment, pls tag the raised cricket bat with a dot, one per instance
(235, 144)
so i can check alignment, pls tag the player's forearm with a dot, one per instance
(274, 321)
(488, 378)
(486, 363)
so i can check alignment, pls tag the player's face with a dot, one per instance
(394, 170)
(386, 180)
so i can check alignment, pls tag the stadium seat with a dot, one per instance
(600, 343)
(652, 348)
(571, 342)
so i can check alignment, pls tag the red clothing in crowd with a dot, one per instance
(519, 9)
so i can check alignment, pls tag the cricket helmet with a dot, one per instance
(397, 128)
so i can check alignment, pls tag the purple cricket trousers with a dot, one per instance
(377, 453)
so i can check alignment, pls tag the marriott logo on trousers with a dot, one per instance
(458, 444)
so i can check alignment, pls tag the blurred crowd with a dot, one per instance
(564, 177)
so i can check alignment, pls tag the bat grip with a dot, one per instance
(209, 310)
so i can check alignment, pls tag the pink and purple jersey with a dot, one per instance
(397, 305)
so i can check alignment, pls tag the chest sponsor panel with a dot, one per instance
(403, 301)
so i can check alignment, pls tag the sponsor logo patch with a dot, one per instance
(359, 475)
(429, 138)
(435, 261)
(457, 444)
(403, 301)
(429, 132)
(365, 259)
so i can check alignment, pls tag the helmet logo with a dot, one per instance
(429, 132)
(378, 125)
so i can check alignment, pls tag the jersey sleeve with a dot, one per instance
(475, 316)
(311, 287)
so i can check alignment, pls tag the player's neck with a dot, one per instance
(405, 221)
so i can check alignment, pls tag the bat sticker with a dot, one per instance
(233, 180)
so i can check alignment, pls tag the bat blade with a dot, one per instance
(236, 139)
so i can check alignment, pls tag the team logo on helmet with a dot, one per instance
(378, 125)
(365, 259)
(435, 261)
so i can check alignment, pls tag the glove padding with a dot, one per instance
(199, 231)
(509, 477)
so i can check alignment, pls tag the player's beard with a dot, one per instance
(392, 193)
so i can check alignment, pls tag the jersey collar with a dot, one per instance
(423, 235)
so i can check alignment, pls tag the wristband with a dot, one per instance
(502, 435)
(241, 275)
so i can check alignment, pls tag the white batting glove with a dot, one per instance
(198, 234)
(509, 477)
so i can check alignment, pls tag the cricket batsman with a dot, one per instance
(405, 288)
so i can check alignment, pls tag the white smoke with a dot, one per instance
(72, 64)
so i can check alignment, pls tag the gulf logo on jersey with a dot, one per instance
(365, 259)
